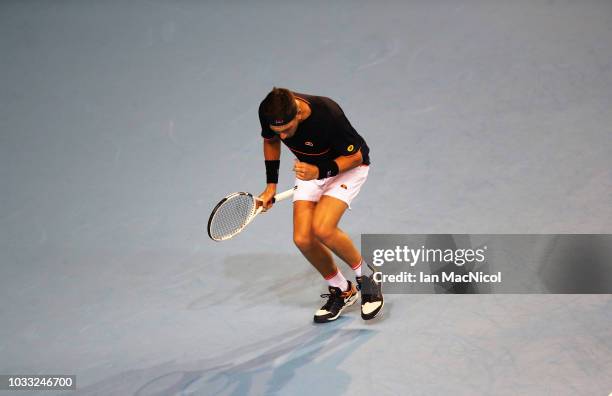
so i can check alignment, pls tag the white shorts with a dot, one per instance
(344, 186)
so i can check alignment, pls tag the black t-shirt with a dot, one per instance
(325, 135)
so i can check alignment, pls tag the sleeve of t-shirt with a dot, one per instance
(344, 139)
(266, 132)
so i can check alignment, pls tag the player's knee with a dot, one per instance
(323, 232)
(303, 242)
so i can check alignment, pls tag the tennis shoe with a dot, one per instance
(372, 299)
(337, 301)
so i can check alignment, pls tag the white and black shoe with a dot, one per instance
(372, 299)
(337, 301)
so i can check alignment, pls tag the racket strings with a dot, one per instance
(232, 216)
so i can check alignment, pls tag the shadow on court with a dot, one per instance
(289, 362)
(261, 278)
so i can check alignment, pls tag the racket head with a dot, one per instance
(231, 215)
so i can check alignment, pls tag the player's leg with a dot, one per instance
(326, 217)
(315, 252)
(342, 293)
(305, 199)
(337, 196)
(338, 193)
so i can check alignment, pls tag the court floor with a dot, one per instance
(122, 125)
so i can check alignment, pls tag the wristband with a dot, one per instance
(328, 169)
(272, 171)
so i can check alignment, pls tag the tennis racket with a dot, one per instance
(235, 212)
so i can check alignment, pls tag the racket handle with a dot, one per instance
(283, 195)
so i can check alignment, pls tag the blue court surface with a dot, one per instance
(123, 123)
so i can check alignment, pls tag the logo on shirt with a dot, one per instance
(343, 186)
(350, 148)
(309, 144)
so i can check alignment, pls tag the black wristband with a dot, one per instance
(272, 171)
(328, 169)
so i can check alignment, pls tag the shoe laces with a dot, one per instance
(335, 299)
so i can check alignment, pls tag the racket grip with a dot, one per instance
(283, 195)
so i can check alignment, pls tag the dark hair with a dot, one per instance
(279, 106)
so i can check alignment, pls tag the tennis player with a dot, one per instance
(331, 166)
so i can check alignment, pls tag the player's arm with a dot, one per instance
(272, 151)
(348, 162)
(305, 171)
(272, 148)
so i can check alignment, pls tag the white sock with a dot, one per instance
(338, 280)
(357, 268)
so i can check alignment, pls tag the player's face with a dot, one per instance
(287, 130)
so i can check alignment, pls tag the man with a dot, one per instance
(332, 164)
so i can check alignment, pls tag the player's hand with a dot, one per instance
(265, 198)
(305, 171)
